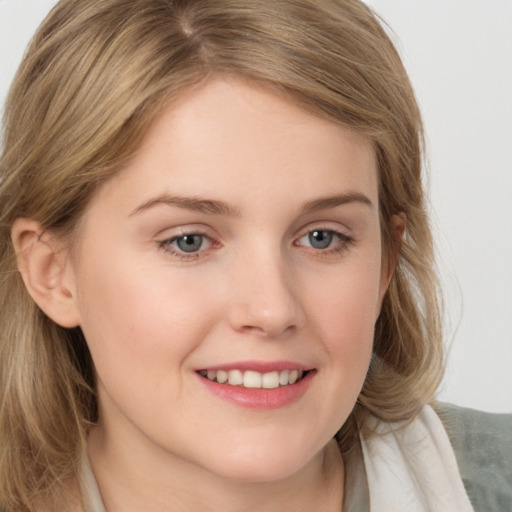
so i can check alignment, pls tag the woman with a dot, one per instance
(225, 297)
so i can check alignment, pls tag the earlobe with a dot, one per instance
(44, 267)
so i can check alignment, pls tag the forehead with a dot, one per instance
(228, 138)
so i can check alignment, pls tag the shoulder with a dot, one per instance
(483, 447)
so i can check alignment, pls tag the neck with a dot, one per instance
(130, 482)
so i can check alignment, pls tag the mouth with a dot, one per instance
(252, 379)
(258, 385)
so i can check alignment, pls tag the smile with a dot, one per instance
(253, 379)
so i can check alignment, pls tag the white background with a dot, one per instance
(459, 56)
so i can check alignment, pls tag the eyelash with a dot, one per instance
(166, 246)
(344, 242)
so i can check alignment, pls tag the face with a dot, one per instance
(228, 282)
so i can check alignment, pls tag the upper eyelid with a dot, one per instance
(332, 226)
(178, 231)
(174, 232)
(344, 238)
(186, 231)
(173, 238)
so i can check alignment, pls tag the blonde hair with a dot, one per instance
(93, 79)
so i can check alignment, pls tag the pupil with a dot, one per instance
(320, 239)
(190, 243)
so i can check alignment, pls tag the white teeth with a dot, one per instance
(253, 379)
(222, 376)
(284, 377)
(235, 377)
(270, 380)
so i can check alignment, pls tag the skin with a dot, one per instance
(256, 290)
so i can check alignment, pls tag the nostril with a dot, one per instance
(265, 312)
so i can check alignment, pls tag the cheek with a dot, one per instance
(343, 317)
(140, 323)
(347, 302)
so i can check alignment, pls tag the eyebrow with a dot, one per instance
(216, 207)
(324, 203)
(197, 204)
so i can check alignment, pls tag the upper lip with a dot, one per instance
(259, 366)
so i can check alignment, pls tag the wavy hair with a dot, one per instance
(93, 79)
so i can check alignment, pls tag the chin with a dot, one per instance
(261, 465)
(247, 472)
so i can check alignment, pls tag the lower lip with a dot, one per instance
(260, 398)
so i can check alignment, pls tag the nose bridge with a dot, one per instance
(264, 299)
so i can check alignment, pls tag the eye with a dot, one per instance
(187, 246)
(190, 243)
(320, 239)
(325, 241)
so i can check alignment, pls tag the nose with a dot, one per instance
(264, 295)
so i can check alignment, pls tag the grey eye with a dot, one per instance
(320, 239)
(190, 243)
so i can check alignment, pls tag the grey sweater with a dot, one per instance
(483, 446)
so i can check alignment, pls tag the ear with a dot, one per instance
(45, 268)
(398, 225)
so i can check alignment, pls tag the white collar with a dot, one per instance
(89, 488)
(412, 467)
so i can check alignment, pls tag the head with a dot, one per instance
(94, 81)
